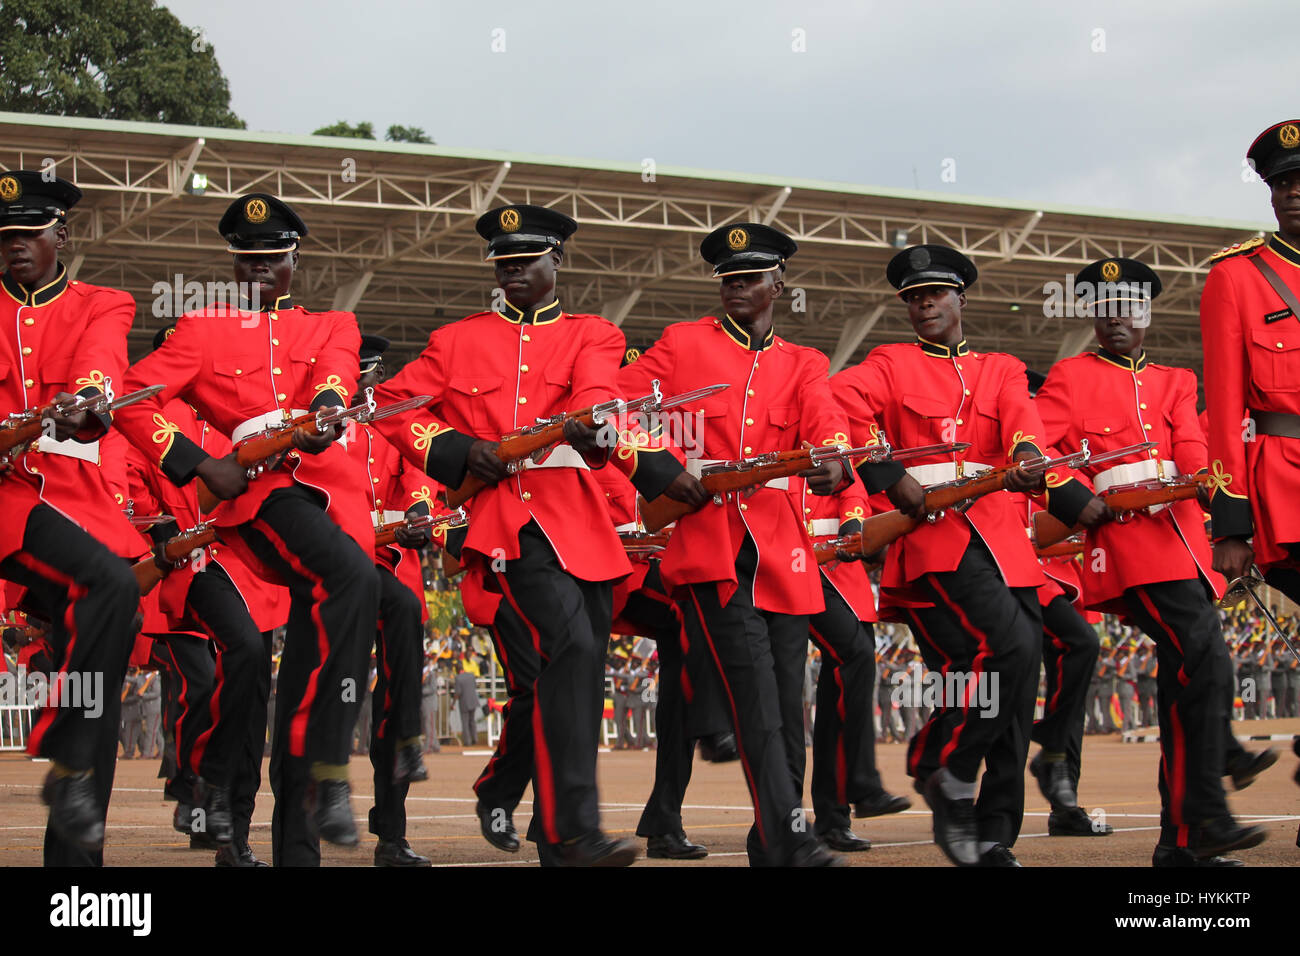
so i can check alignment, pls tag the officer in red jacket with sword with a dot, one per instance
(302, 522)
(63, 535)
(1250, 327)
(1115, 397)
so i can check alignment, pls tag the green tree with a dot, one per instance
(407, 134)
(112, 59)
(346, 129)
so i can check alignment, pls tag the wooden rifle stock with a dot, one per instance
(884, 529)
(516, 447)
(1062, 549)
(1049, 531)
(147, 573)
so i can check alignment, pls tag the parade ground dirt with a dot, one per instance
(1118, 777)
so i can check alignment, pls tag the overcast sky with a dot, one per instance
(1144, 105)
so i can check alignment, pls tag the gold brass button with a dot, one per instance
(1279, 344)
(967, 392)
(748, 450)
(27, 350)
(274, 315)
(523, 368)
(313, 361)
(1142, 405)
(29, 383)
(750, 392)
(528, 496)
(1106, 429)
(807, 511)
(375, 480)
(372, 461)
(29, 321)
(744, 507)
(749, 421)
(276, 371)
(239, 371)
(275, 341)
(280, 397)
(522, 400)
(1147, 427)
(959, 421)
(527, 337)
(474, 390)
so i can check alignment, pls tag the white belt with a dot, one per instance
(820, 526)
(562, 456)
(943, 471)
(630, 528)
(378, 518)
(86, 451)
(1135, 471)
(695, 467)
(259, 423)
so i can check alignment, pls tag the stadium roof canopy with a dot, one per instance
(392, 236)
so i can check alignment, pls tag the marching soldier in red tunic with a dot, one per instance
(1250, 327)
(844, 770)
(302, 523)
(1114, 397)
(63, 535)
(964, 583)
(395, 491)
(734, 568)
(222, 728)
(540, 554)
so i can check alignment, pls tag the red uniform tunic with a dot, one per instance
(268, 604)
(823, 516)
(235, 366)
(1113, 401)
(779, 397)
(65, 337)
(489, 375)
(393, 487)
(923, 394)
(1252, 362)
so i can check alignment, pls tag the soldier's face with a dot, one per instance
(31, 257)
(1116, 331)
(272, 273)
(747, 294)
(528, 281)
(935, 312)
(1286, 201)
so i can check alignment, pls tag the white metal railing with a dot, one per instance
(15, 726)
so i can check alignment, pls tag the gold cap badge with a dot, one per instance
(510, 219)
(1110, 270)
(1289, 136)
(255, 210)
(10, 189)
(738, 240)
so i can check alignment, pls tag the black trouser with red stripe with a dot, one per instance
(555, 627)
(759, 657)
(395, 702)
(1195, 681)
(90, 597)
(1070, 649)
(335, 597)
(216, 606)
(188, 659)
(679, 721)
(844, 739)
(989, 638)
(502, 783)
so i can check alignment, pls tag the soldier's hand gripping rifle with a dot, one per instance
(725, 478)
(172, 553)
(20, 429)
(261, 452)
(532, 442)
(1124, 501)
(387, 534)
(884, 529)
